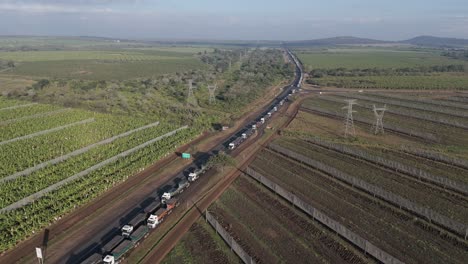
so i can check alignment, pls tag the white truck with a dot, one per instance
(181, 186)
(128, 228)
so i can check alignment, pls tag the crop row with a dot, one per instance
(399, 162)
(425, 101)
(4, 102)
(444, 134)
(400, 235)
(413, 113)
(23, 154)
(272, 231)
(321, 110)
(412, 104)
(16, 225)
(408, 188)
(442, 81)
(21, 187)
(26, 127)
(17, 113)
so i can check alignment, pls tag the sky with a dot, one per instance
(235, 20)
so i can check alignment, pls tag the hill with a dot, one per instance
(437, 41)
(335, 41)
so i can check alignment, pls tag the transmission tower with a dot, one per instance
(349, 122)
(190, 96)
(378, 127)
(211, 90)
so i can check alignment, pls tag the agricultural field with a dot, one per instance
(396, 232)
(62, 158)
(438, 135)
(201, 245)
(102, 64)
(384, 68)
(271, 231)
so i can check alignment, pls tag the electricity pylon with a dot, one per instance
(349, 121)
(378, 127)
(190, 97)
(211, 90)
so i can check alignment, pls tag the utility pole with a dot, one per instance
(378, 127)
(211, 90)
(349, 121)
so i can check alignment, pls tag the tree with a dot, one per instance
(221, 160)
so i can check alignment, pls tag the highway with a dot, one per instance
(99, 239)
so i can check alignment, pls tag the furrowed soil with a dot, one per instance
(271, 231)
(408, 187)
(201, 245)
(398, 233)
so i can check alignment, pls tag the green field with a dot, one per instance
(371, 58)
(103, 64)
(439, 81)
(384, 68)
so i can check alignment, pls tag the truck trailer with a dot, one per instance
(95, 258)
(139, 233)
(117, 253)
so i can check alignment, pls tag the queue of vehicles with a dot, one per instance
(161, 206)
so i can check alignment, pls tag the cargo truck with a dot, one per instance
(93, 259)
(112, 244)
(175, 191)
(193, 176)
(139, 233)
(158, 216)
(128, 228)
(117, 253)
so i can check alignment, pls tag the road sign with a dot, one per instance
(39, 253)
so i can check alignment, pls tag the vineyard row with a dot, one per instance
(432, 216)
(354, 238)
(425, 117)
(16, 106)
(57, 185)
(246, 258)
(396, 129)
(43, 132)
(393, 165)
(9, 121)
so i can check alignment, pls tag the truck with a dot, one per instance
(262, 120)
(95, 258)
(236, 142)
(139, 233)
(193, 176)
(158, 216)
(128, 228)
(275, 108)
(181, 186)
(117, 253)
(254, 126)
(152, 206)
(112, 244)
